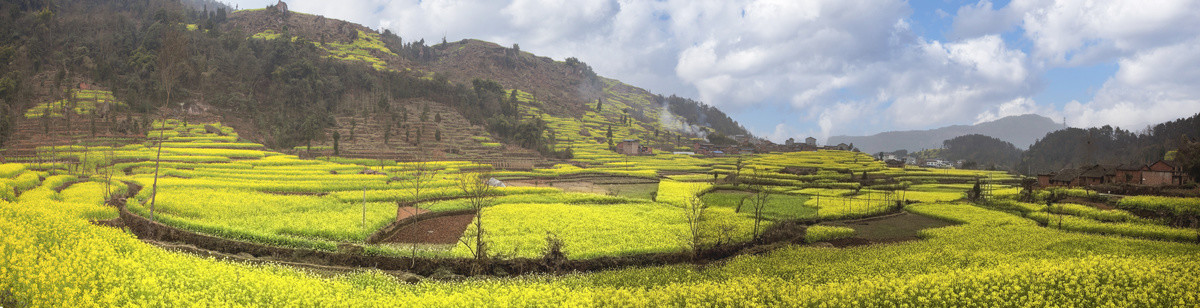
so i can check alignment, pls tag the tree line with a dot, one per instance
(1077, 147)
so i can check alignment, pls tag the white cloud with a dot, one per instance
(1152, 86)
(980, 19)
(842, 66)
(941, 13)
(1018, 106)
(1154, 43)
(782, 132)
(1084, 32)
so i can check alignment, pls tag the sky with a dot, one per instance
(798, 68)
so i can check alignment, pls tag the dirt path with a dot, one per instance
(445, 230)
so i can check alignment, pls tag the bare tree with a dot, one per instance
(1051, 199)
(170, 61)
(421, 176)
(758, 201)
(693, 214)
(478, 193)
(108, 173)
(737, 173)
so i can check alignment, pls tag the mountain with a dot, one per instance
(293, 80)
(1022, 131)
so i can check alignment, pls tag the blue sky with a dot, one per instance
(787, 68)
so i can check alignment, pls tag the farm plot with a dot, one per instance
(778, 207)
(587, 230)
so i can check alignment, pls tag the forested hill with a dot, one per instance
(1074, 147)
(288, 78)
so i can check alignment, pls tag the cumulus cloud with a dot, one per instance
(1018, 106)
(981, 19)
(1080, 32)
(1154, 43)
(1151, 86)
(841, 66)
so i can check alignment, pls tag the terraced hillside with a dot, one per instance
(423, 131)
(82, 114)
(555, 91)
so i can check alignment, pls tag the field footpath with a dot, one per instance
(780, 234)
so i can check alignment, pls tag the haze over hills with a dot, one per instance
(1022, 131)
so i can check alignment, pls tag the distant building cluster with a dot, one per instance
(1160, 173)
(633, 147)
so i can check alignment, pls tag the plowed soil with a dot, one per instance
(443, 230)
(408, 211)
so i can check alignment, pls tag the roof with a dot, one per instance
(629, 140)
(1169, 164)
(1131, 167)
(1098, 171)
(1066, 175)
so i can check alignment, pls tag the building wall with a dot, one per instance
(1128, 177)
(627, 148)
(1156, 178)
(1044, 180)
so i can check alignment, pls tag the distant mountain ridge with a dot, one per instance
(1022, 131)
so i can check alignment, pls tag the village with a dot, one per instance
(1160, 173)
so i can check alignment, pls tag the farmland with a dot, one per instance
(216, 184)
(196, 153)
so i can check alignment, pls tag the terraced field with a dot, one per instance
(1000, 252)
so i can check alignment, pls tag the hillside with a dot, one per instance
(292, 80)
(546, 89)
(1021, 131)
(1075, 147)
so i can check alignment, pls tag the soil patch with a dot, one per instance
(622, 186)
(567, 186)
(903, 226)
(444, 230)
(850, 242)
(408, 211)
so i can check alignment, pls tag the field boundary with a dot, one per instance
(779, 235)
